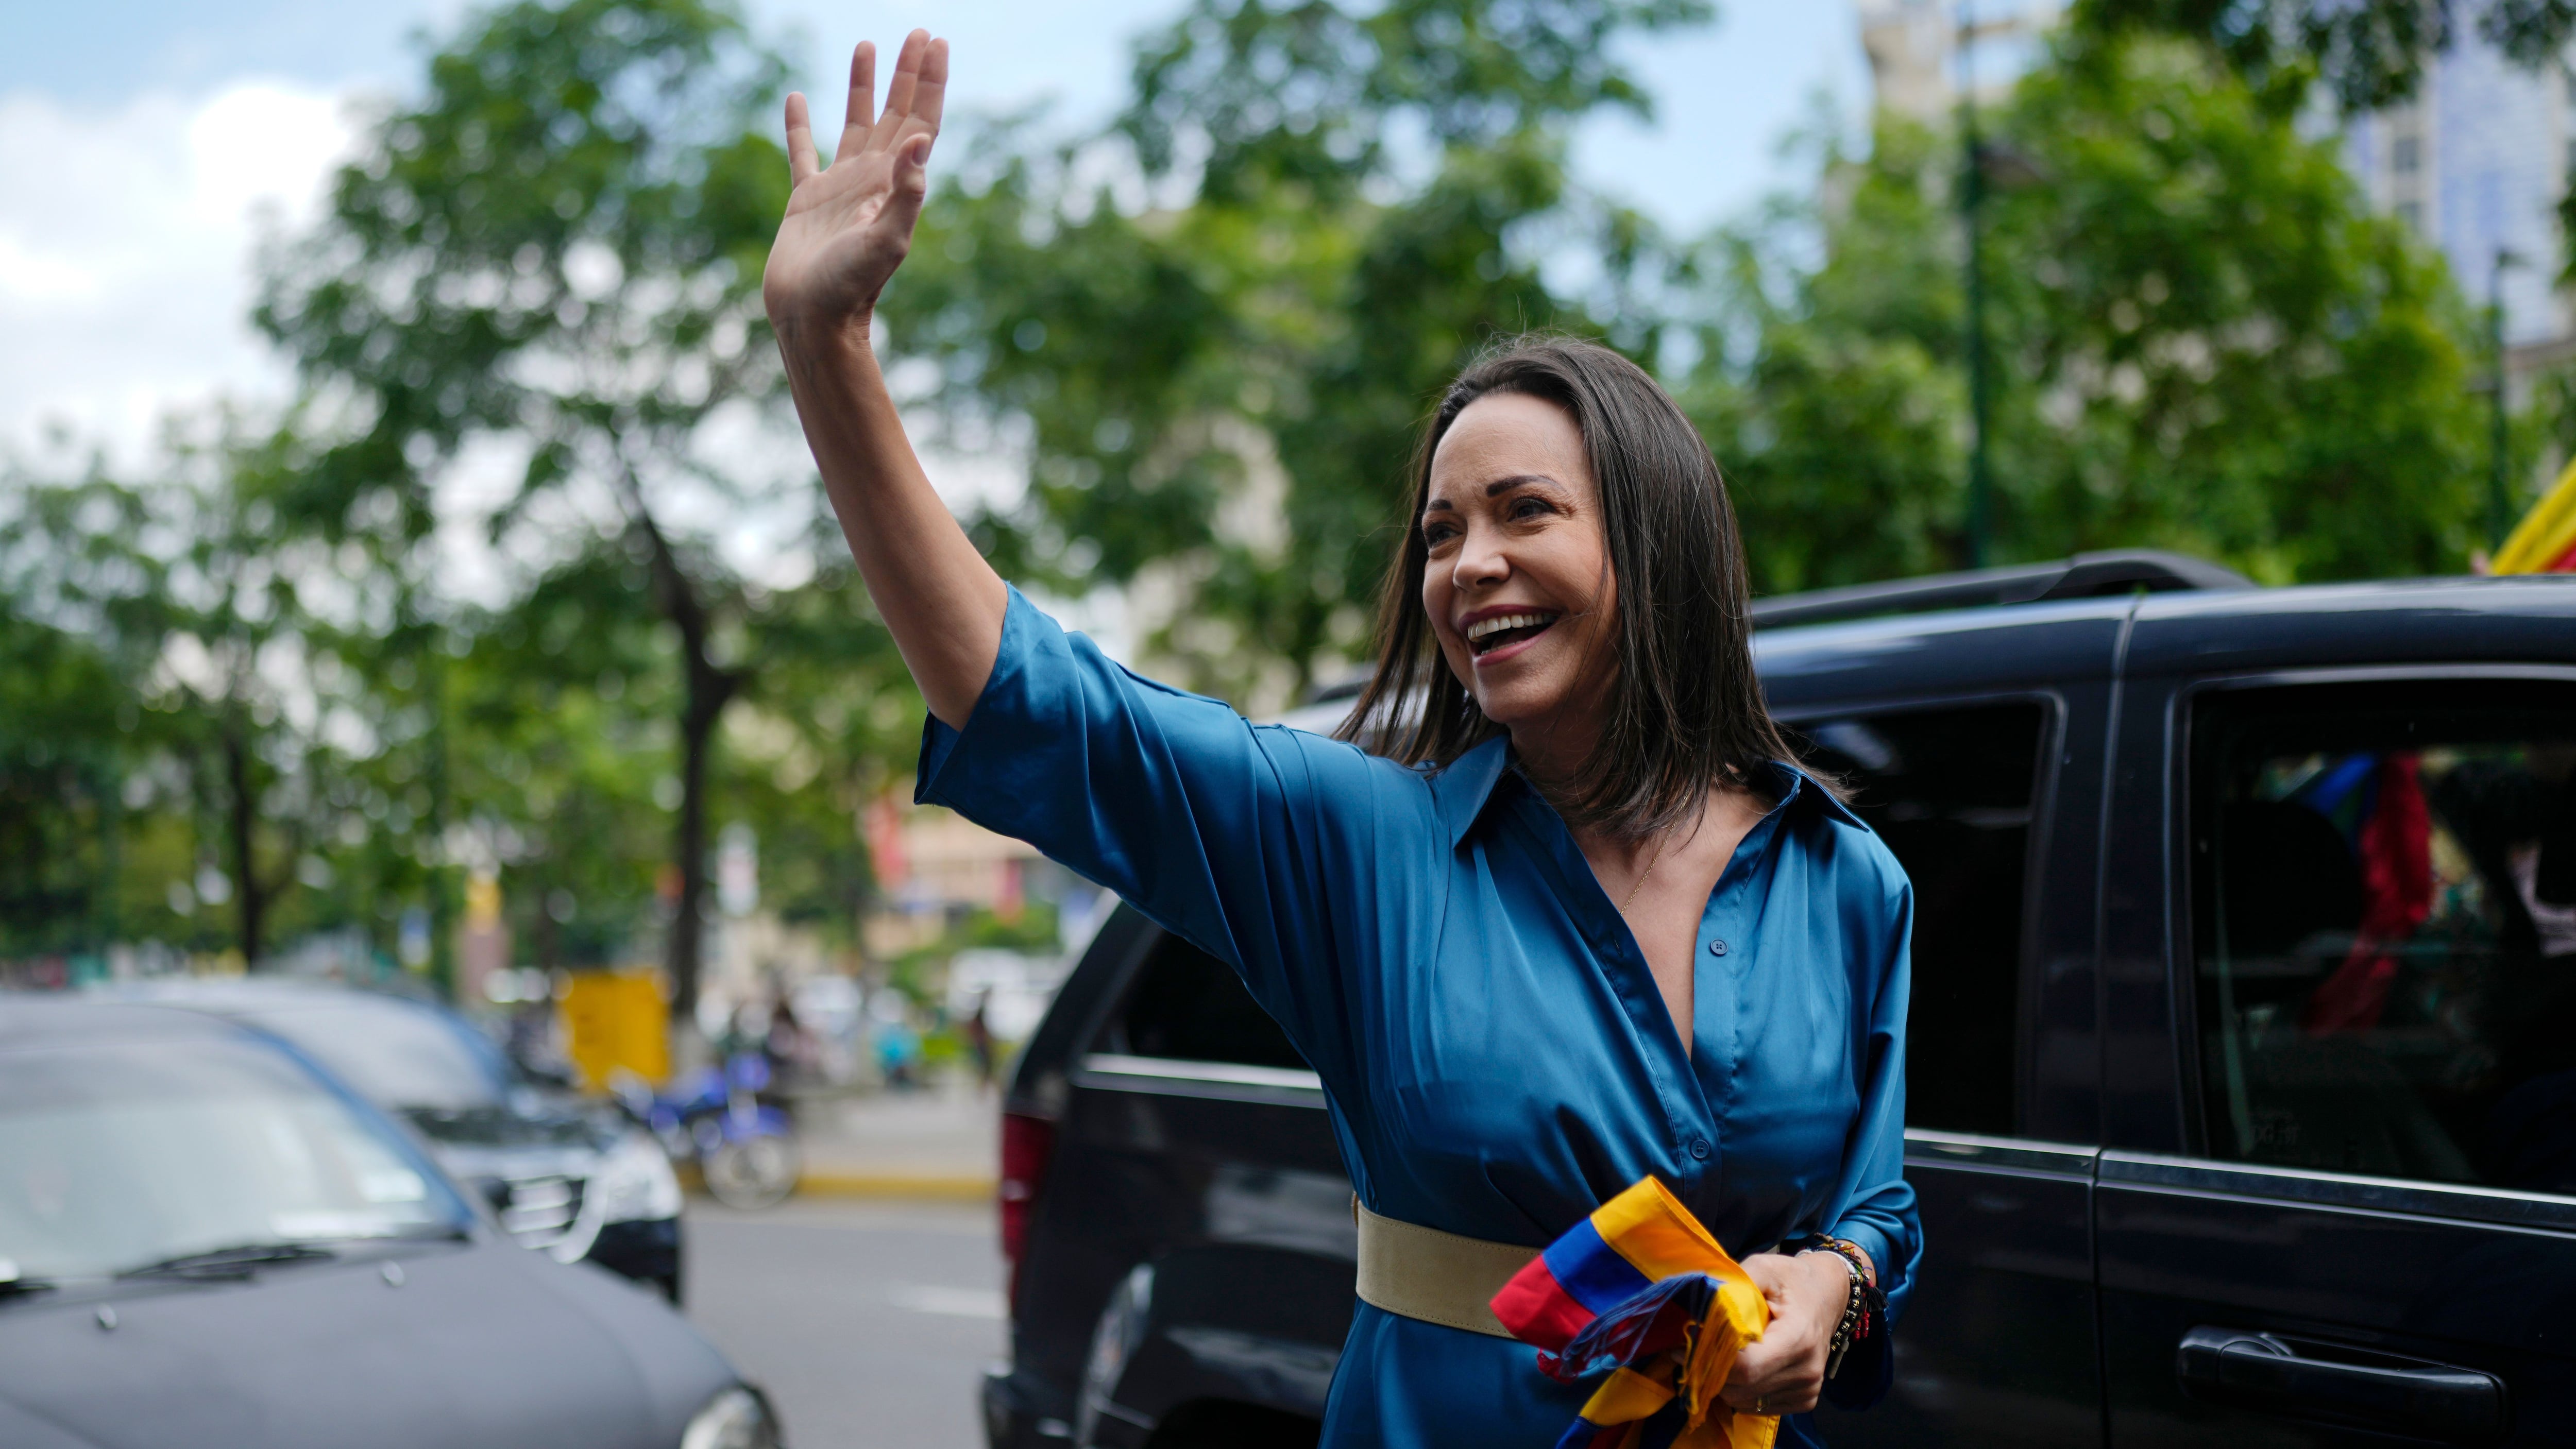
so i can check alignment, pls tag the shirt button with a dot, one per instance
(1717, 948)
(1699, 1148)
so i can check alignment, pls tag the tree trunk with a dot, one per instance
(710, 688)
(241, 816)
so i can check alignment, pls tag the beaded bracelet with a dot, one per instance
(1853, 1306)
(1853, 1254)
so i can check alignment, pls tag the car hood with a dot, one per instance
(482, 1343)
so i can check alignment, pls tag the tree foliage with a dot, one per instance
(1219, 323)
(560, 245)
(2367, 53)
(2204, 341)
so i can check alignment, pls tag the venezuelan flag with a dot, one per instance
(1641, 1289)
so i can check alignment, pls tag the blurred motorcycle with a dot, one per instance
(745, 1149)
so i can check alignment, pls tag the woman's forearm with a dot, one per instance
(940, 600)
(845, 231)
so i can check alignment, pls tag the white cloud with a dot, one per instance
(126, 242)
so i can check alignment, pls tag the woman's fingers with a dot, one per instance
(1775, 1377)
(907, 79)
(801, 161)
(930, 93)
(860, 117)
(911, 185)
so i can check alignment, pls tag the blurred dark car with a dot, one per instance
(574, 1179)
(205, 1239)
(2241, 1085)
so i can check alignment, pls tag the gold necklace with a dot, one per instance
(1651, 861)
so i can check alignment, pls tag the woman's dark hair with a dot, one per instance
(1685, 711)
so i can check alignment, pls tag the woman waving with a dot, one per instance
(1587, 926)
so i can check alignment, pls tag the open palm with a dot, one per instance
(848, 228)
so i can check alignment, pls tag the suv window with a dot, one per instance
(2384, 919)
(1187, 1005)
(1952, 791)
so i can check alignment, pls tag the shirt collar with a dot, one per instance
(1462, 790)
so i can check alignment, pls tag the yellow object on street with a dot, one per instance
(2545, 541)
(617, 1019)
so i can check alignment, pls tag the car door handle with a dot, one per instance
(2269, 1373)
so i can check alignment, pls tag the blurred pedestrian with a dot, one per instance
(791, 1048)
(978, 1032)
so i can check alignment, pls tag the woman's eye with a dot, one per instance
(1529, 507)
(1436, 534)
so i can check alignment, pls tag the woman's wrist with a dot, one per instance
(825, 337)
(1831, 1278)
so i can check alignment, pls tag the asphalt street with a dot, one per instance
(869, 1323)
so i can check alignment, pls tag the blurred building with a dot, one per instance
(1921, 51)
(2477, 163)
(934, 867)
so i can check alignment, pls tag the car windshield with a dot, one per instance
(118, 1155)
(394, 1053)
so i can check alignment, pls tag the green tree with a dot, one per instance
(172, 624)
(2368, 53)
(2205, 341)
(61, 768)
(1216, 367)
(559, 247)
(2365, 54)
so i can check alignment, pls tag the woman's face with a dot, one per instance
(1518, 579)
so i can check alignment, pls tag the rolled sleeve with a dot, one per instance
(1225, 833)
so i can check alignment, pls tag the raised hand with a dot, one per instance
(848, 228)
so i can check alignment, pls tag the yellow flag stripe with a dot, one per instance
(2545, 533)
(1650, 1228)
(1625, 1397)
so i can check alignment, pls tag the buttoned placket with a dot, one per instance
(1614, 949)
(1726, 950)
(1698, 1090)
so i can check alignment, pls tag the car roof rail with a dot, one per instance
(1337, 691)
(2085, 576)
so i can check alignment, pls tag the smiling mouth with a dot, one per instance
(1500, 630)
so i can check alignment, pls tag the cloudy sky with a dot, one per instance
(146, 145)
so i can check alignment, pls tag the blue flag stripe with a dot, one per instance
(1590, 1272)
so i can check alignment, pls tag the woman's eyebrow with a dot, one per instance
(1495, 489)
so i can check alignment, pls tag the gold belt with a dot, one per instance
(1443, 1278)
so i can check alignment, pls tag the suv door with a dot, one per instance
(1199, 1167)
(2365, 1228)
(1989, 803)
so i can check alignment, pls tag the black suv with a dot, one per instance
(2242, 1077)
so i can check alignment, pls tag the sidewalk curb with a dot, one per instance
(886, 1186)
(918, 1186)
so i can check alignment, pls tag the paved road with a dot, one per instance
(870, 1323)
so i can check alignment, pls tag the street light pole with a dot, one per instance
(2499, 491)
(1972, 205)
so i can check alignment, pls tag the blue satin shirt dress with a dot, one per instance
(1497, 1058)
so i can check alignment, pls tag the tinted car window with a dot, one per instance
(1189, 1006)
(1952, 792)
(118, 1155)
(393, 1052)
(2384, 908)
